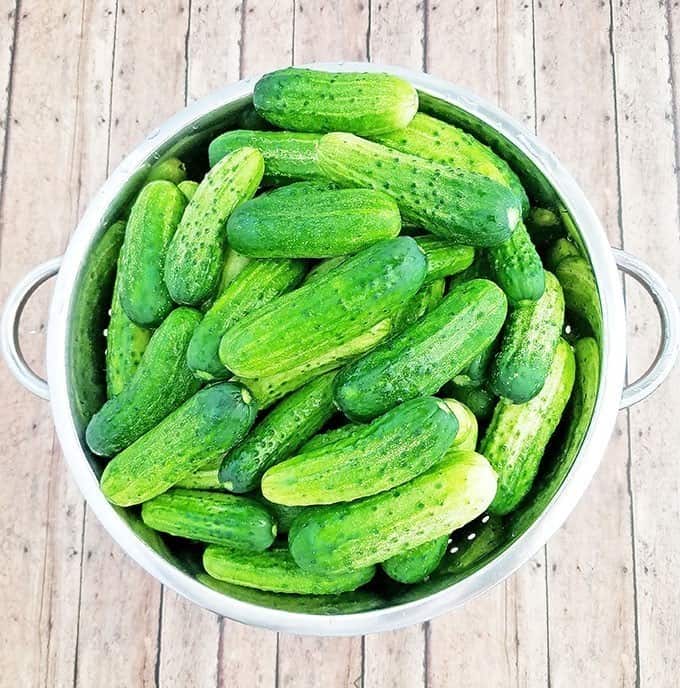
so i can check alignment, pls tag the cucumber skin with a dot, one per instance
(325, 439)
(392, 450)
(425, 300)
(527, 346)
(162, 382)
(279, 434)
(343, 537)
(283, 515)
(544, 226)
(416, 564)
(196, 253)
(316, 101)
(276, 571)
(561, 249)
(288, 156)
(468, 428)
(234, 265)
(212, 517)
(444, 258)
(426, 355)
(201, 430)
(304, 221)
(430, 138)
(300, 327)
(463, 207)
(171, 170)
(581, 296)
(205, 478)
(259, 282)
(478, 399)
(517, 267)
(323, 267)
(517, 435)
(153, 222)
(188, 188)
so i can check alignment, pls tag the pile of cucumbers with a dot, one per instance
(342, 345)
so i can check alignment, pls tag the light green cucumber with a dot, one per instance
(466, 437)
(322, 267)
(234, 264)
(171, 170)
(205, 478)
(425, 299)
(188, 188)
(283, 515)
(444, 258)
(416, 564)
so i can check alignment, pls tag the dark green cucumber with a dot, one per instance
(202, 429)
(276, 571)
(283, 515)
(478, 399)
(344, 537)
(288, 156)
(308, 220)
(188, 188)
(433, 139)
(416, 564)
(311, 100)
(279, 434)
(517, 268)
(161, 383)
(581, 296)
(561, 249)
(214, 517)
(544, 226)
(324, 266)
(196, 253)
(455, 204)
(426, 355)
(153, 222)
(527, 345)
(260, 282)
(425, 299)
(466, 437)
(390, 451)
(476, 373)
(444, 258)
(302, 327)
(580, 413)
(171, 170)
(517, 436)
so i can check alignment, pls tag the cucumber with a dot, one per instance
(344, 537)
(288, 156)
(478, 399)
(324, 266)
(260, 282)
(153, 222)
(196, 253)
(544, 226)
(217, 518)
(325, 439)
(188, 188)
(305, 325)
(204, 428)
(205, 478)
(561, 249)
(276, 571)
(580, 413)
(432, 139)
(467, 554)
(171, 170)
(466, 437)
(424, 300)
(392, 450)
(455, 204)
(476, 373)
(283, 515)
(517, 436)
(416, 564)
(517, 268)
(312, 100)
(125, 344)
(581, 296)
(311, 220)
(279, 434)
(527, 345)
(234, 264)
(444, 258)
(161, 383)
(426, 355)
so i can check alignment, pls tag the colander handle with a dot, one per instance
(9, 327)
(669, 346)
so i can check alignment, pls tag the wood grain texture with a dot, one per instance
(8, 24)
(267, 39)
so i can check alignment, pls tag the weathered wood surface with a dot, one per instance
(600, 605)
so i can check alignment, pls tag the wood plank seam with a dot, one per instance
(674, 93)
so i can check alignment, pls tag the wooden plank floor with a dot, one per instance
(81, 81)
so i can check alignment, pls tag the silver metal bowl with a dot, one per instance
(75, 345)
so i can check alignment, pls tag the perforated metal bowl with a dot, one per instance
(75, 345)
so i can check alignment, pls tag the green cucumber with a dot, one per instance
(580, 413)
(476, 373)
(283, 515)
(390, 451)
(214, 517)
(203, 428)
(424, 300)
(234, 264)
(196, 252)
(466, 437)
(518, 433)
(276, 571)
(279, 434)
(308, 220)
(416, 564)
(160, 384)
(153, 222)
(325, 439)
(311, 100)
(188, 188)
(517, 268)
(455, 204)
(171, 170)
(527, 345)
(444, 258)
(426, 355)
(344, 537)
(324, 266)
(581, 295)
(288, 156)
(205, 478)
(433, 139)
(260, 282)
(561, 249)
(544, 226)
(305, 325)
(478, 399)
